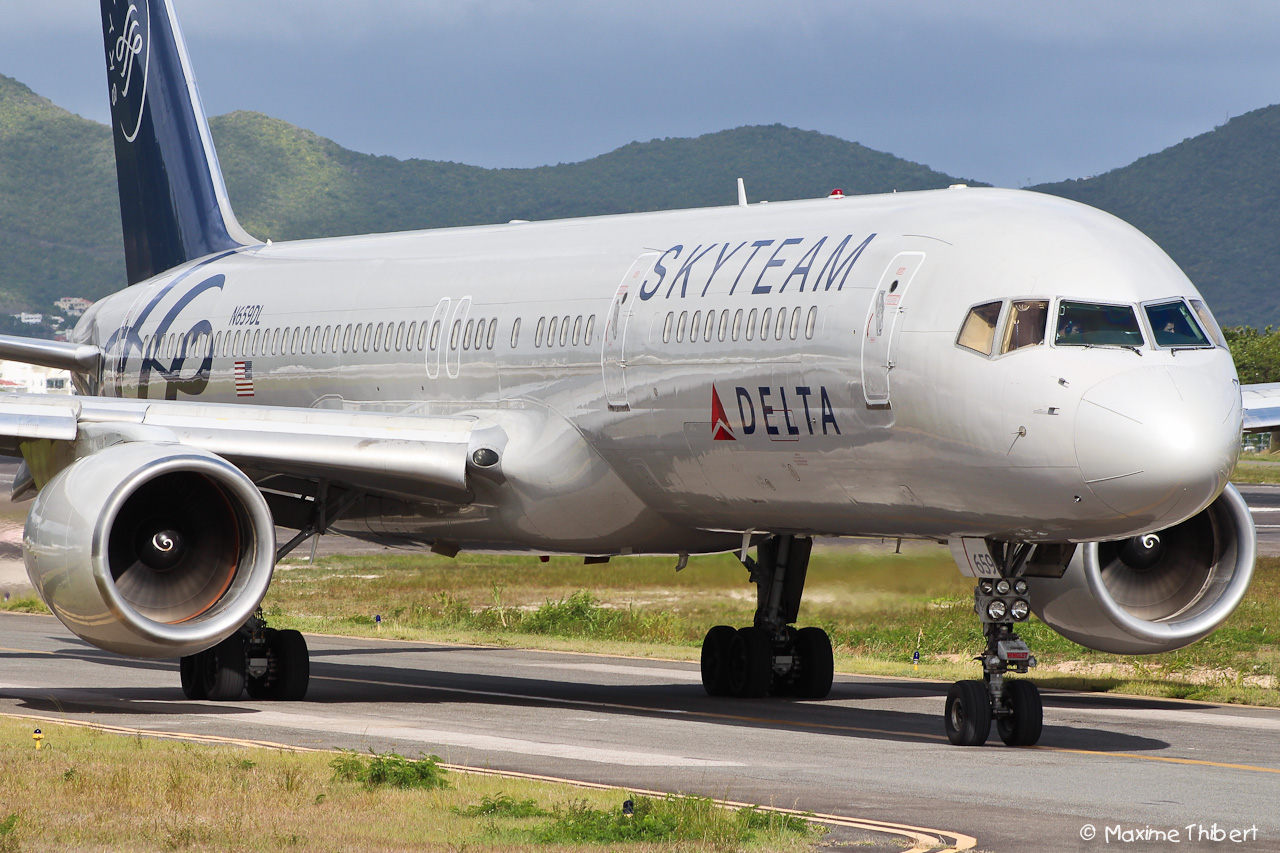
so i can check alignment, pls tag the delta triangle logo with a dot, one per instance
(720, 429)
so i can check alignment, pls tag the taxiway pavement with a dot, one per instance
(874, 749)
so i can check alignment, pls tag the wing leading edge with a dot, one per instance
(422, 455)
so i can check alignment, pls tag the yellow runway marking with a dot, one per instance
(922, 838)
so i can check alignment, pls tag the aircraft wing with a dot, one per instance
(424, 456)
(1261, 406)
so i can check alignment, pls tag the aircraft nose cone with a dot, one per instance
(1158, 443)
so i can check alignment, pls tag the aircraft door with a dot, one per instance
(878, 332)
(613, 360)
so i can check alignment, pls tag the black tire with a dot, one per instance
(750, 663)
(290, 649)
(968, 713)
(715, 660)
(221, 670)
(1023, 726)
(817, 664)
(189, 673)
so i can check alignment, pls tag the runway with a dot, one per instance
(874, 750)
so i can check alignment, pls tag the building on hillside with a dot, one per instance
(29, 319)
(73, 306)
(28, 378)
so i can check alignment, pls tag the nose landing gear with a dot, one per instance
(771, 656)
(1013, 704)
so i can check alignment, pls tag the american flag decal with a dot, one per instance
(244, 378)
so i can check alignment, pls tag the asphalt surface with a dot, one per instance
(873, 750)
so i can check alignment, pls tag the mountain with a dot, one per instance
(1213, 203)
(60, 232)
(59, 213)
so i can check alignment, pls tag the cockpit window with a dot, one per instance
(1208, 322)
(979, 330)
(1174, 326)
(1084, 324)
(1026, 324)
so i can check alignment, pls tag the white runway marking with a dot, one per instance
(372, 727)
(615, 669)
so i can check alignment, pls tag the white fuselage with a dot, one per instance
(789, 368)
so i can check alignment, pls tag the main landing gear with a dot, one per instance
(771, 656)
(1001, 603)
(264, 662)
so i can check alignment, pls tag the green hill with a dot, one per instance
(1213, 203)
(60, 232)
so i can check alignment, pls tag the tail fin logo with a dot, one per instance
(128, 43)
(720, 429)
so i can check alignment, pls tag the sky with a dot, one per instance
(1012, 93)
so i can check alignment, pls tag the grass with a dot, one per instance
(879, 608)
(91, 790)
(1258, 468)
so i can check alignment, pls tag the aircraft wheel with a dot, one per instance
(817, 664)
(189, 672)
(750, 663)
(290, 647)
(715, 660)
(968, 713)
(1023, 725)
(221, 670)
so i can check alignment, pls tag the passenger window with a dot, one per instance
(466, 336)
(751, 325)
(695, 326)
(537, 334)
(780, 327)
(724, 325)
(552, 328)
(811, 323)
(1208, 322)
(493, 332)
(479, 338)
(666, 327)
(257, 339)
(1026, 324)
(435, 335)
(564, 331)
(1173, 326)
(684, 316)
(764, 324)
(1083, 324)
(515, 333)
(711, 326)
(386, 336)
(979, 330)
(368, 330)
(402, 340)
(577, 330)
(737, 323)
(453, 335)
(591, 328)
(795, 323)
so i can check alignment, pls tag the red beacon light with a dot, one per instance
(836, 193)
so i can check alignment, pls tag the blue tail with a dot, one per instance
(173, 201)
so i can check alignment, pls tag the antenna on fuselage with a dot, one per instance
(742, 193)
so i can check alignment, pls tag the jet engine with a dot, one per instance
(151, 550)
(1156, 592)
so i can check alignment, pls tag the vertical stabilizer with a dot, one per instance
(173, 201)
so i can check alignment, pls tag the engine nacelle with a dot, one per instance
(1158, 592)
(151, 550)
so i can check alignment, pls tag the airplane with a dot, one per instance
(1029, 380)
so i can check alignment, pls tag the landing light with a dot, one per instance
(1003, 586)
(1019, 609)
(1020, 587)
(997, 609)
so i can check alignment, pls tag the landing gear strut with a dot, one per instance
(267, 663)
(771, 656)
(1015, 706)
